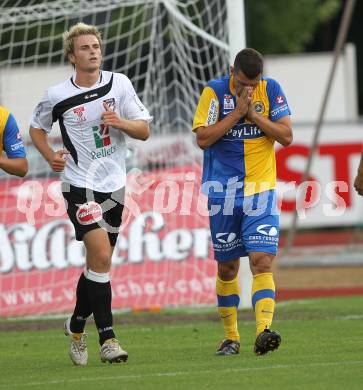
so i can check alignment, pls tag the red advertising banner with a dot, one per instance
(162, 257)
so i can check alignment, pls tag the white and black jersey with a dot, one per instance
(97, 152)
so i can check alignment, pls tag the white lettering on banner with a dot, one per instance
(177, 244)
(28, 297)
(54, 192)
(68, 294)
(10, 298)
(22, 233)
(129, 289)
(53, 245)
(151, 240)
(201, 242)
(6, 251)
(44, 237)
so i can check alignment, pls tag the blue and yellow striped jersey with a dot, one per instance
(244, 157)
(10, 137)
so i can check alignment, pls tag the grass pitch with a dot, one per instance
(322, 348)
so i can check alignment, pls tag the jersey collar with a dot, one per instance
(98, 82)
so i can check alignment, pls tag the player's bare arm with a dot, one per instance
(208, 135)
(56, 160)
(358, 182)
(14, 166)
(138, 129)
(280, 131)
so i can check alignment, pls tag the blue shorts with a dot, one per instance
(243, 225)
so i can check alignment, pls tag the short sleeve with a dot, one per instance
(131, 106)
(42, 117)
(207, 111)
(13, 143)
(278, 102)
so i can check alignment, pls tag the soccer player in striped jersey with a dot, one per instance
(237, 121)
(95, 109)
(15, 162)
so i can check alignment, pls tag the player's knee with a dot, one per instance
(103, 259)
(261, 263)
(227, 271)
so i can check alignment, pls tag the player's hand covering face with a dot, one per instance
(243, 99)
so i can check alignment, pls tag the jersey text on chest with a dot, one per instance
(244, 131)
(104, 152)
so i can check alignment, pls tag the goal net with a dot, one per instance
(169, 49)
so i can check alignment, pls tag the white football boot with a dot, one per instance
(111, 351)
(77, 347)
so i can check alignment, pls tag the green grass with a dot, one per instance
(322, 348)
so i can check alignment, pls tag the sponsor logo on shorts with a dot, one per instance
(225, 238)
(226, 242)
(267, 230)
(89, 213)
(267, 235)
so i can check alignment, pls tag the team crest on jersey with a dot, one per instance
(111, 102)
(79, 111)
(259, 107)
(228, 103)
(89, 213)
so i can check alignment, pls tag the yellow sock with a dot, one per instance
(228, 301)
(263, 300)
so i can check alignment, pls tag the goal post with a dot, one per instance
(237, 42)
(169, 50)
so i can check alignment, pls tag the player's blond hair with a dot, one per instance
(76, 31)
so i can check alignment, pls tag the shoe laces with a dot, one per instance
(79, 345)
(110, 344)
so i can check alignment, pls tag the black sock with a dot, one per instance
(100, 297)
(82, 310)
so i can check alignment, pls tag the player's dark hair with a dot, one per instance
(250, 62)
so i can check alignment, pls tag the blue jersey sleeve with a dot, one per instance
(13, 144)
(278, 103)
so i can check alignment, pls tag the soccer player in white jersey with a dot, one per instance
(95, 109)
